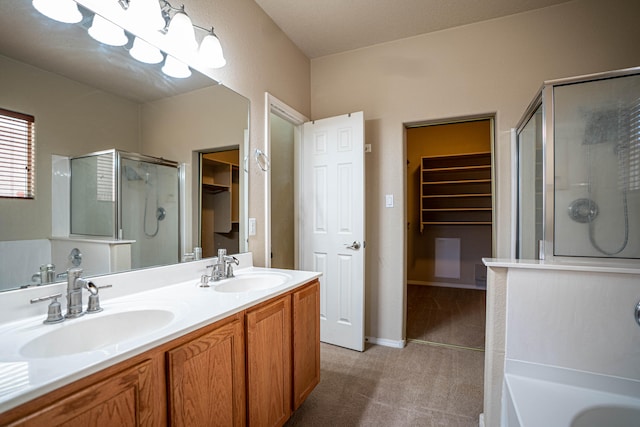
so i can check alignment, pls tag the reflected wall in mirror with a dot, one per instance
(89, 97)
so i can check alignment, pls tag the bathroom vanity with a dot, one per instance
(232, 356)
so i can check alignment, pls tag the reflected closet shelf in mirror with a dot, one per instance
(220, 215)
(455, 190)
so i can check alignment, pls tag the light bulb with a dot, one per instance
(146, 14)
(174, 68)
(144, 52)
(60, 10)
(211, 52)
(181, 33)
(107, 32)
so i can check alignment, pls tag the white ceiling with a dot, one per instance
(325, 27)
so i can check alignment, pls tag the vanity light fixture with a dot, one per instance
(153, 15)
(107, 32)
(59, 10)
(144, 52)
(182, 33)
(174, 68)
(146, 13)
(211, 51)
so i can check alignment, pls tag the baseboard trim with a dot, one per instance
(385, 342)
(439, 344)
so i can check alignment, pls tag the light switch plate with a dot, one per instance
(388, 200)
(252, 226)
(367, 148)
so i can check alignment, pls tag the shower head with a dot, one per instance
(607, 126)
(131, 174)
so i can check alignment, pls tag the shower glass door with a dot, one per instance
(149, 211)
(93, 195)
(530, 173)
(596, 134)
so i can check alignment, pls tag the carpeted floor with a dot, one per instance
(446, 315)
(419, 385)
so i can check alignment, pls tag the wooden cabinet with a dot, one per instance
(253, 367)
(283, 355)
(268, 341)
(220, 215)
(206, 378)
(456, 190)
(132, 397)
(306, 341)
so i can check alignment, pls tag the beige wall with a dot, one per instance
(260, 58)
(490, 67)
(71, 119)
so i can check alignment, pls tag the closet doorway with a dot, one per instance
(449, 230)
(220, 201)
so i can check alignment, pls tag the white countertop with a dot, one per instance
(613, 266)
(23, 379)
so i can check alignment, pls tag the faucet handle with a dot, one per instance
(228, 266)
(93, 306)
(54, 314)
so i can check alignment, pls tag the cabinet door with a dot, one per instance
(125, 399)
(306, 342)
(269, 363)
(206, 379)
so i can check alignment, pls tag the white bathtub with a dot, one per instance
(538, 395)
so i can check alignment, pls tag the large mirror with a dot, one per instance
(87, 97)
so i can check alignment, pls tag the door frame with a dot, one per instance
(492, 117)
(285, 112)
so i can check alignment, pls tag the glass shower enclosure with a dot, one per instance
(127, 196)
(578, 159)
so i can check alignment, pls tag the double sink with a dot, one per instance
(127, 322)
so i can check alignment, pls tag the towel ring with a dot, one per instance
(262, 160)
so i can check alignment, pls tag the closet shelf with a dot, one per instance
(456, 190)
(459, 168)
(435, 196)
(457, 223)
(215, 188)
(457, 209)
(459, 181)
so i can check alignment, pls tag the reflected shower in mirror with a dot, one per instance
(87, 97)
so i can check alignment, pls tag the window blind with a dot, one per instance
(17, 155)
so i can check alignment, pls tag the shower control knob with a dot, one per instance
(75, 257)
(636, 313)
(583, 210)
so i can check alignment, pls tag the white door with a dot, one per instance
(332, 223)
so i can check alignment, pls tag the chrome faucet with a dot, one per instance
(228, 265)
(75, 285)
(223, 268)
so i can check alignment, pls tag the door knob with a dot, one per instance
(355, 245)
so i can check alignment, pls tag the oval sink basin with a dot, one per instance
(252, 282)
(93, 333)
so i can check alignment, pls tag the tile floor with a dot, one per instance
(419, 385)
